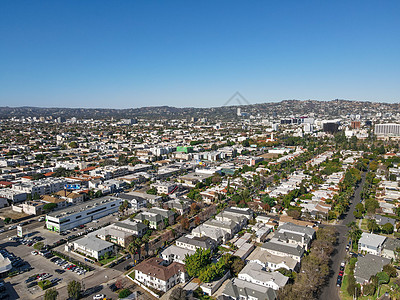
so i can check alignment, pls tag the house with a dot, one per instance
(367, 266)
(61, 203)
(175, 253)
(135, 201)
(256, 274)
(390, 247)
(215, 233)
(238, 289)
(284, 249)
(164, 187)
(135, 228)
(371, 243)
(294, 234)
(158, 218)
(113, 235)
(158, 274)
(182, 206)
(93, 247)
(272, 262)
(193, 243)
(382, 220)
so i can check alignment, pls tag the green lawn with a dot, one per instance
(364, 225)
(110, 259)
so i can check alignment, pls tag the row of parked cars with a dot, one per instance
(341, 272)
(16, 262)
(33, 280)
(68, 266)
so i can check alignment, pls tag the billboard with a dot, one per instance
(72, 187)
(19, 231)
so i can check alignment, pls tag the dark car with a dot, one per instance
(59, 271)
(128, 267)
(339, 281)
(341, 268)
(32, 284)
(113, 287)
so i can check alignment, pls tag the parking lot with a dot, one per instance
(98, 281)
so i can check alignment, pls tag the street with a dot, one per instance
(331, 291)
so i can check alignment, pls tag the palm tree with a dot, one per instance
(354, 233)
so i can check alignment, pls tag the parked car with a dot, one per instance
(339, 281)
(59, 271)
(99, 297)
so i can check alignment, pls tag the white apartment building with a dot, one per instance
(158, 274)
(45, 186)
(387, 130)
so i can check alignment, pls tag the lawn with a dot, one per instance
(364, 225)
(110, 259)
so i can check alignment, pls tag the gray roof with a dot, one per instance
(391, 244)
(371, 239)
(290, 227)
(134, 226)
(369, 265)
(382, 220)
(287, 236)
(93, 243)
(284, 248)
(236, 288)
(235, 210)
(163, 212)
(203, 242)
(257, 272)
(221, 224)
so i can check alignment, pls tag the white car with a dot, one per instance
(99, 297)
(34, 253)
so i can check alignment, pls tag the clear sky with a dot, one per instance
(120, 54)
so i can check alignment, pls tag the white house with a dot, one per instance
(158, 274)
(255, 273)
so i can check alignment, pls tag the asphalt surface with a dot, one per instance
(331, 291)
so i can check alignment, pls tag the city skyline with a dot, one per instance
(126, 55)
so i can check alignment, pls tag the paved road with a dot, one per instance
(331, 291)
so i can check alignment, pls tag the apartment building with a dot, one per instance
(158, 274)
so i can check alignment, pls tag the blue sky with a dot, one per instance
(120, 54)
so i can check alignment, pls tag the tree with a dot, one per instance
(372, 226)
(236, 264)
(383, 277)
(124, 293)
(354, 233)
(388, 228)
(73, 144)
(390, 270)
(371, 205)
(369, 289)
(196, 262)
(49, 206)
(38, 245)
(152, 191)
(294, 213)
(74, 290)
(178, 294)
(51, 294)
(185, 223)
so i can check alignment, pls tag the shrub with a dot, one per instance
(124, 293)
(383, 277)
(369, 289)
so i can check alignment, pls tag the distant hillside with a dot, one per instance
(332, 108)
